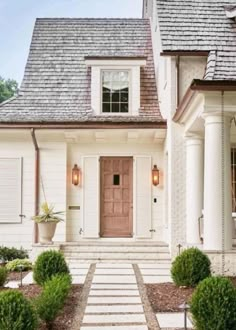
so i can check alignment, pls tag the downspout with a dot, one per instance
(36, 206)
(178, 80)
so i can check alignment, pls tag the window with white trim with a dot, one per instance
(115, 91)
(10, 190)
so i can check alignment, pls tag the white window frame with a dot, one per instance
(131, 65)
(129, 94)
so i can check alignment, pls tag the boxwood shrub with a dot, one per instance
(190, 267)
(213, 304)
(48, 264)
(52, 298)
(12, 253)
(16, 312)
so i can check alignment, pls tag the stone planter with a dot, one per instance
(46, 232)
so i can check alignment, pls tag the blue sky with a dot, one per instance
(17, 19)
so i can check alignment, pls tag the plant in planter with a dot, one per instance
(47, 221)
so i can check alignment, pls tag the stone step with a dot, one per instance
(116, 248)
(73, 262)
(112, 243)
(117, 255)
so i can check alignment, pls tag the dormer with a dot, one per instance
(231, 12)
(115, 85)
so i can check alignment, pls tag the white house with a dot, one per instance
(118, 99)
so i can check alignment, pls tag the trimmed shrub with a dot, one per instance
(213, 304)
(12, 253)
(16, 312)
(3, 275)
(48, 264)
(52, 299)
(190, 267)
(14, 265)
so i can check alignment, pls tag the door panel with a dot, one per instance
(116, 197)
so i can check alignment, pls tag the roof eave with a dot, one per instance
(83, 125)
(201, 85)
(184, 53)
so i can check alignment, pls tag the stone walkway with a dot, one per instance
(114, 297)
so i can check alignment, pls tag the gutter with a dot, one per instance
(84, 125)
(37, 158)
(198, 85)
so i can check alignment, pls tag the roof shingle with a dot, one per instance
(200, 25)
(57, 84)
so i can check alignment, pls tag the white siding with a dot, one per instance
(143, 195)
(90, 197)
(53, 177)
(10, 190)
(20, 234)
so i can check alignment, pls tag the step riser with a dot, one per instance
(118, 255)
(118, 261)
(123, 249)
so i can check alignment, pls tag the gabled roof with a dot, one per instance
(56, 84)
(200, 25)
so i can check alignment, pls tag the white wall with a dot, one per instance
(53, 173)
(74, 194)
(20, 234)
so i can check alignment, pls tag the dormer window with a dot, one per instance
(115, 91)
(115, 85)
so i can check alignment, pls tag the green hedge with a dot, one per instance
(52, 299)
(12, 253)
(48, 264)
(213, 304)
(190, 267)
(16, 312)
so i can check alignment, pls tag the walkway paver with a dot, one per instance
(155, 273)
(114, 301)
(172, 320)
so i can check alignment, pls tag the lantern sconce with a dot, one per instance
(76, 175)
(155, 175)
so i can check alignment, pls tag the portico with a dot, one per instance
(207, 128)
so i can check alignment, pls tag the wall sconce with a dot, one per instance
(76, 174)
(155, 175)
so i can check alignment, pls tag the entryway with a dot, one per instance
(116, 197)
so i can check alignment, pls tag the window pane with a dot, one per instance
(115, 107)
(124, 107)
(124, 76)
(115, 97)
(115, 91)
(106, 97)
(106, 107)
(124, 97)
(106, 76)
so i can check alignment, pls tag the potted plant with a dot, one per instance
(47, 221)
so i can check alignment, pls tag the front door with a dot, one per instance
(116, 197)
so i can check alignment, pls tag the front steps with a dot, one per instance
(116, 252)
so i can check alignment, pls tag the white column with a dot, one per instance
(194, 187)
(217, 183)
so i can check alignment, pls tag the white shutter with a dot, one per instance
(10, 190)
(143, 196)
(90, 205)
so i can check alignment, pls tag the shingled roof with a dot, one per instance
(200, 25)
(57, 84)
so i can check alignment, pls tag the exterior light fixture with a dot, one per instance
(155, 175)
(76, 175)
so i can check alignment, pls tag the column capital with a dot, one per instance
(193, 139)
(217, 117)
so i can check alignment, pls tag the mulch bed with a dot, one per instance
(15, 276)
(166, 297)
(65, 317)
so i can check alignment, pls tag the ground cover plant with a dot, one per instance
(7, 254)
